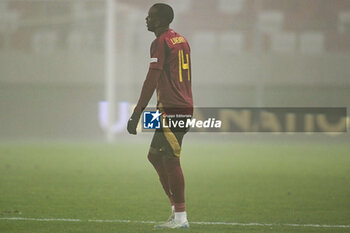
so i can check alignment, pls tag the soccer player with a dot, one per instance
(170, 75)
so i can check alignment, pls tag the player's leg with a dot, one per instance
(155, 158)
(155, 155)
(177, 185)
(171, 163)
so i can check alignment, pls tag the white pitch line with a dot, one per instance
(272, 224)
(153, 222)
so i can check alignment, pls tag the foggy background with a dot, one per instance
(245, 53)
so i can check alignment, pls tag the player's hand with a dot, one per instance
(133, 121)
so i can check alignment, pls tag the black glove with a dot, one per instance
(133, 121)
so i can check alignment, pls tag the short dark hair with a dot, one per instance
(164, 12)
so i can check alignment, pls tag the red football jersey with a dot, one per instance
(170, 53)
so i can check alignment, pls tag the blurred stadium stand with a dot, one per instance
(245, 53)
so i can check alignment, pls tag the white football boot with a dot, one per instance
(171, 223)
(174, 224)
(168, 222)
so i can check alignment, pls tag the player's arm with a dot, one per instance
(149, 85)
(147, 91)
(158, 55)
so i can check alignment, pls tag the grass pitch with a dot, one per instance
(277, 185)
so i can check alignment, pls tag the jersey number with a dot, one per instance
(183, 65)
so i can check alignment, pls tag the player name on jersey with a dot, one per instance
(178, 40)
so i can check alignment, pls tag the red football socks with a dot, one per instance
(157, 163)
(171, 177)
(176, 181)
